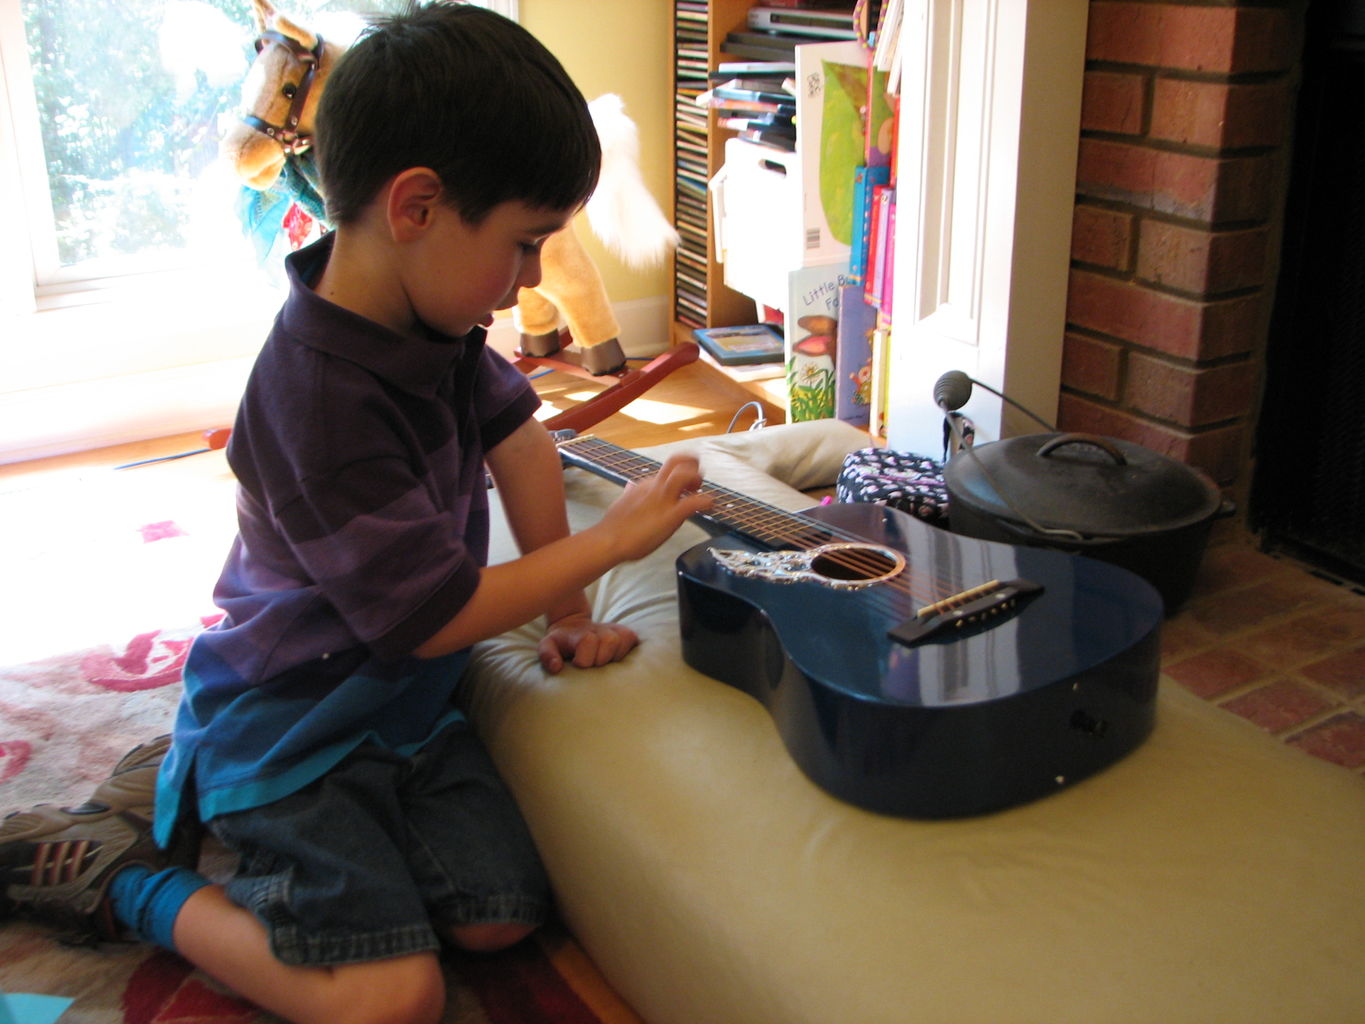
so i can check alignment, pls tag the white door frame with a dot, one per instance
(989, 131)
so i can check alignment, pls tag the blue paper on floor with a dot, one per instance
(26, 1008)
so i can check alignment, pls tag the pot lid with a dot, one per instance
(1096, 486)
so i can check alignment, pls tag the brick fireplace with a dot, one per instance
(1216, 301)
(1181, 178)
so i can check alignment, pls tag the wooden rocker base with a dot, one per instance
(629, 383)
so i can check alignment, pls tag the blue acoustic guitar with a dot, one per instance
(909, 670)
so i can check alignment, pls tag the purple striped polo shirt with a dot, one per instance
(362, 524)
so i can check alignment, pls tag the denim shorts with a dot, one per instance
(383, 855)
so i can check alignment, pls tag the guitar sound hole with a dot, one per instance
(857, 563)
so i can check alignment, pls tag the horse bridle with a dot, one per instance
(289, 137)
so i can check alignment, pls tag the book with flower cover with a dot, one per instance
(812, 326)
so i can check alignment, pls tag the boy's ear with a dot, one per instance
(412, 200)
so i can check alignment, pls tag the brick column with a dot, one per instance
(1180, 184)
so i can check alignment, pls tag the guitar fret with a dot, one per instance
(731, 509)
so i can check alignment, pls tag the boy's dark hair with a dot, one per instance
(466, 92)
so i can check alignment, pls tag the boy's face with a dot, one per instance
(459, 273)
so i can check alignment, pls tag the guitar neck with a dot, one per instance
(731, 512)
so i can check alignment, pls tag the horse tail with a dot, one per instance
(622, 212)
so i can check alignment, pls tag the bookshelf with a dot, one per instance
(700, 297)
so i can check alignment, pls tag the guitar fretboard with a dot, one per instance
(732, 511)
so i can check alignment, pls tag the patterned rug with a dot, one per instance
(108, 575)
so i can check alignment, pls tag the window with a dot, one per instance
(117, 112)
(122, 253)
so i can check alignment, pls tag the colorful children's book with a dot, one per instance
(876, 226)
(888, 291)
(812, 324)
(864, 180)
(853, 358)
(879, 137)
(831, 80)
(881, 366)
(880, 244)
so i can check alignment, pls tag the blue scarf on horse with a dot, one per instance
(267, 215)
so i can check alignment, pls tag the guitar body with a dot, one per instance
(983, 716)
(910, 670)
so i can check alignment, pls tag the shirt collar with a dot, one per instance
(417, 365)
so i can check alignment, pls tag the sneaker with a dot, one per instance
(56, 862)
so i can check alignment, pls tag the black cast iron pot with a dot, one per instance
(1088, 495)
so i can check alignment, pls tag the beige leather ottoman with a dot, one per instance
(1214, 875)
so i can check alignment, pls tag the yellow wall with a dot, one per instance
(625, 47)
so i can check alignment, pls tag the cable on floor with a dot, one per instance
(758, 424)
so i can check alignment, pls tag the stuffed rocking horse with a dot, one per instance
(270, 149)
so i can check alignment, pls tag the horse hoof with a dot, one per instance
(540, 345)
(604, 358)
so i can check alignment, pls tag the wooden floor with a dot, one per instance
(695, 401)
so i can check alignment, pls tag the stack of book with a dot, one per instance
(772, 33)
(762, 109)
(749, 91)
(746, 352)
(755, 94)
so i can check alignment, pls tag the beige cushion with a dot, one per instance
(1212, 876)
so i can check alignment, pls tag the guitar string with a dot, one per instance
(757, 522)
(768, 524)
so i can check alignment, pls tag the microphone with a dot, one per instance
(951, 392)
(954, 389)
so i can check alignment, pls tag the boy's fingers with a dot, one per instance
(551, 656)
(682, 468)
(604, 646)
(681, 476)
(590, 648)
(585, 656)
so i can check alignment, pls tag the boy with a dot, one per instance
(316, 736)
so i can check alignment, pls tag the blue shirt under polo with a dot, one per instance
(362, 523)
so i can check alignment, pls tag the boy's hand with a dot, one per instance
(645, 516)
(589, 644)
(652, 509)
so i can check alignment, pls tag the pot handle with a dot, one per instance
(1092, 439)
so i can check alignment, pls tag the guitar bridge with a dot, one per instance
(973, 607)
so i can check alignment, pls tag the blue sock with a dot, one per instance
(148, 902)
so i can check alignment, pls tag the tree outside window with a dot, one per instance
(131, 99)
